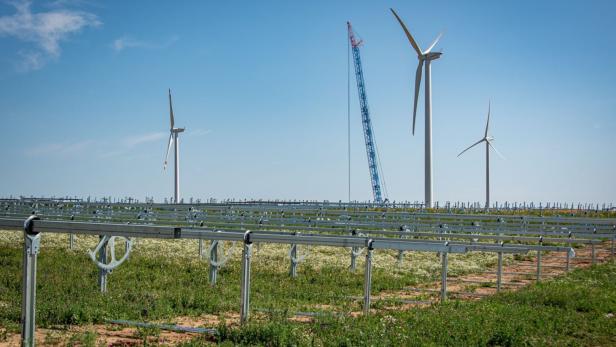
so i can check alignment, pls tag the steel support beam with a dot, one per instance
(499, 272)
(245, 282)
(368, 277)
(32, 243)
(102, 273)
(538, 266)
(444, 277)
(213, 262)
(294, 261)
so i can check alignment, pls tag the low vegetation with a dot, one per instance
(575, 310)
(165, 279)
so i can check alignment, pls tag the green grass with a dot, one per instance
(166, 280)
(153, 287)
(576, 310)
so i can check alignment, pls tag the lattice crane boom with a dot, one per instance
(371, 151)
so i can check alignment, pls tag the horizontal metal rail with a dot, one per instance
(340, 210)
(510, 235)
(162, 232)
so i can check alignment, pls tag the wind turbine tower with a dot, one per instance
(174, 139)
(426, 57)
(488, 140)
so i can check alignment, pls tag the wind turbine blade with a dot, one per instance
(496, 150)
(434, 43)
(488, 122)
(168, 149)
(471, 146)
(171, 110)
(417, 86)
(408, 34)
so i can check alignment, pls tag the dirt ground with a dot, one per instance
(516, 275)
(120, 335)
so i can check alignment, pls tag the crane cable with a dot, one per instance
(349, 111)
(378, 158)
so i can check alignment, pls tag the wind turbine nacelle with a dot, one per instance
(433, 55)
(178, 130)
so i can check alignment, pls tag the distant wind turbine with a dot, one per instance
(488, 140)
(173, 139)
(424, 56)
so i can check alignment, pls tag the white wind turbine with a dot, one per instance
(488, 140)
(424, 56)
(173, 139)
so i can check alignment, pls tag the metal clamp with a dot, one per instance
(29, 225)
(369, 244)
(293, 254)
(356, 251)
(113, 262)
(34, 237)
(227, 254)
(247, 239)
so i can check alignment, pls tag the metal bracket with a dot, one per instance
(29, 225)
(227, 254)
(113, 261)
(247, 239)
(35, 244)
(295, 259)
(356, 251)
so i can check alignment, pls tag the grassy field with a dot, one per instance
(576, 310)
(165, 279)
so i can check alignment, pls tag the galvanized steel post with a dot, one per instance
(294, 261)
(213, 261)
(499, 270)
(245, 285)
(102, 273)
(353, 266)
(593, 255)
(71, 238)
(539, 259)
(444, 276)
(402, 228)
(368, 276)
(200, 249)
(568, 256)
(32, 242)
(400, 258)
(354, 252)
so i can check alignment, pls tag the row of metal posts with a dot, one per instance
(406, 204)
(213, 255)
(32, 247)
(245, 273)
(367, 271)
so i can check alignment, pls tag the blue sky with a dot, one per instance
(262, 89)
